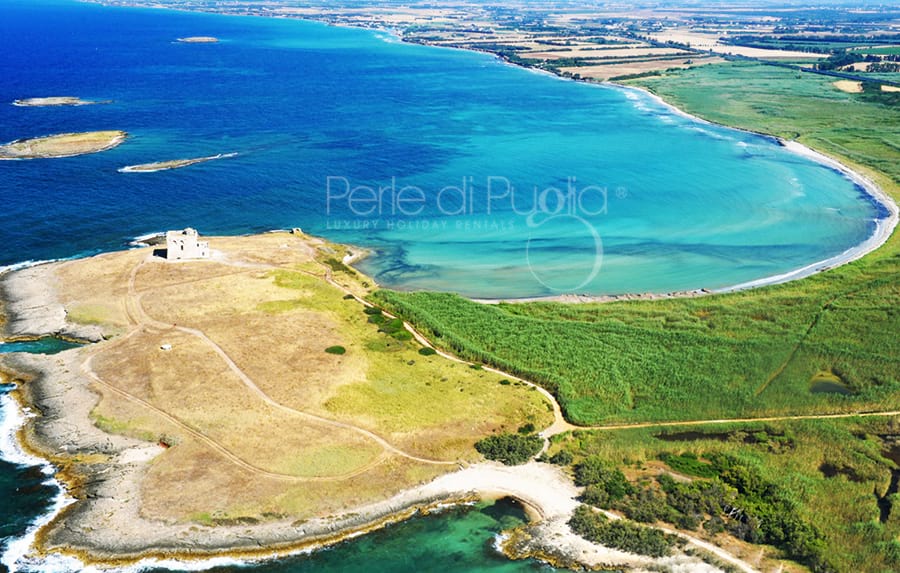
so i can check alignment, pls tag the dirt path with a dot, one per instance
(561, 425)
(141, 322)
(610, 427)
(214, 445)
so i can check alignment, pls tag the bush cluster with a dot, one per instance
(622, 534)
(736, 499)
(510, 449)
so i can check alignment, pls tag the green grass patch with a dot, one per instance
(739, 355)
(339, 350)
(398, 381)
(338, 266)
(882, 51)
(688, 464)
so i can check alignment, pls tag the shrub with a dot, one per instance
(510, 449)
(527, 428)
(714, 525)
(427, 351)
(561, 458)
(336, 350)
(402, 335)
(647, 506)
(604, 484)
(338, 266)
(391, 326)
(373, 310)
(622, 534)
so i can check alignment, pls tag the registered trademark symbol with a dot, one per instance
(621, 193)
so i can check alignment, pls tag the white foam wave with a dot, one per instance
(498, 542)
(13, 419)
(16, 554)
(141, 240)
(146, 168)
(27, 264)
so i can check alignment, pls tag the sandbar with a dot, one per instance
(172, 164)
(198, 40)
(55, 101)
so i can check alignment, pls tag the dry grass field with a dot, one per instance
(225, 362)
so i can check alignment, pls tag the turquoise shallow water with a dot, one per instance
(463, 173)
(488, 180)
(48, 345)
(459, 539)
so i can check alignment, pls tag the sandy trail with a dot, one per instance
(561, 425)
(141, 321)
(216, 446)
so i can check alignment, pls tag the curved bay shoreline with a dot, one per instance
(39, 438)
(884, 227)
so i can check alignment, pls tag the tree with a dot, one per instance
(510, 449)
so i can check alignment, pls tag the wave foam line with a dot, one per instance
(16, 554)
(29, 263)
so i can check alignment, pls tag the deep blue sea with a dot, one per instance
(460, 172)
(464, 173)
